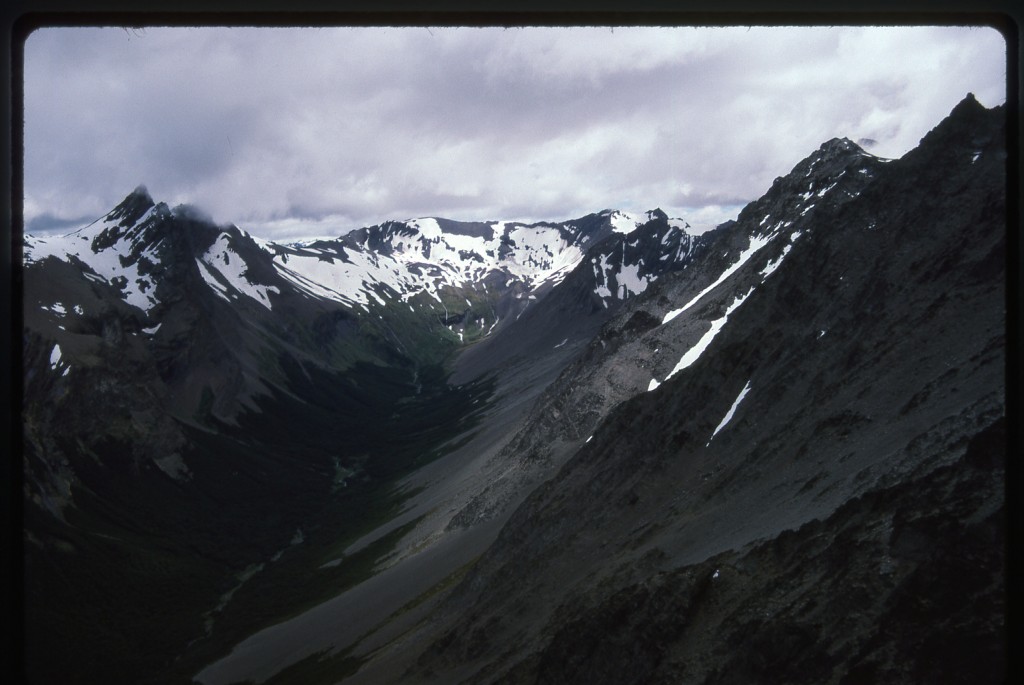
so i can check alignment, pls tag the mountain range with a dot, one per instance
(603, 450)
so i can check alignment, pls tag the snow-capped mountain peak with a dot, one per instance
(122, 248)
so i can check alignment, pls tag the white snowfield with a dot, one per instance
(108, 263)
(221, 261)
(623, 222)
(425, 259)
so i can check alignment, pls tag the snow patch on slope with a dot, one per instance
(771, 266)
(57, 308)
(111, 263)
(630, 281)
(223, 268)
(623, 222)
(347, 277)
(732, 411)
(756, 243)
(694, 353)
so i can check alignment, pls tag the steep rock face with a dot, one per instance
(621, 357)
(841, 425)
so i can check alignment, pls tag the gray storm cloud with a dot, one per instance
(315, 131)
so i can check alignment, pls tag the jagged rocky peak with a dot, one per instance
(968, 104)
(838, 146)
(836, 172)
(962, 136)
(834, 156)
(131, 209)
(626, 222)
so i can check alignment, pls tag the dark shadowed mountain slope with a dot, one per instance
(811, 491)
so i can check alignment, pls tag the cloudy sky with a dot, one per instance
(314, 131)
